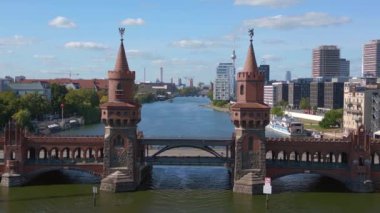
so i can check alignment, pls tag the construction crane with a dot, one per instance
(68, 73)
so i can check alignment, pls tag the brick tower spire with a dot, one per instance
(250, 116)
(120, 115)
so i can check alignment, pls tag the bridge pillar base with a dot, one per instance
(12, 180)
(361, 186)
(249, 184)
(118, 182)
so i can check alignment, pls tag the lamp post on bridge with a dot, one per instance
(62, 106)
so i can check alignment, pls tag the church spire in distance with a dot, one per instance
(121, 59)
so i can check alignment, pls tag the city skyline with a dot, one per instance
(82, 38)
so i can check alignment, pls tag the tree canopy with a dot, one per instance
(332, 118)
(277, 111)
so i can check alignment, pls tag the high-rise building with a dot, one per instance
(282, 92)
(224, 83)
(333, 95)
(371, 59)
(344, 66)
(288, 76)
(265, 68)
(298, 89)
(326, 61)
(179, 82)
(191, 82)
(317, 94)
(270, 95)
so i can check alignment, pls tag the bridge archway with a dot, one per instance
(31, 153)
(204, 148)
(42, 153)
(61, 175)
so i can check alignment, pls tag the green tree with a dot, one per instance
(333, 117)
(83, 102)
(8, 106)
(210, 95)
(23, 118)
(58, 93)
(36, 104)
(305, 103)
(220, 103)
(277, 111)
(283, 104)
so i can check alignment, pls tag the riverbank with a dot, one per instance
(220, 109)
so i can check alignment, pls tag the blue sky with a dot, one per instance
(50, 39)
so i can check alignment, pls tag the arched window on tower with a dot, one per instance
(118, 141)
(241, 89)
(119, 87)
(250, 144)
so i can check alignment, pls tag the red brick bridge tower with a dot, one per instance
(250, 116)
(123, 155)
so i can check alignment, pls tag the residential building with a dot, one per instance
(371, 59)
(265, 68)
(224, 82)
(317, 92)
(361, 106)
(41, 88)
(4, 84)
(344, 67)
(326, 61)
(94, 84)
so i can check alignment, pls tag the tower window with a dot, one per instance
(241, 89)
(118, 141)
(118, 87)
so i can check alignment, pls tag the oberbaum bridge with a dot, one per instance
(120, 157)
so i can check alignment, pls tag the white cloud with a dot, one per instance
(15, 40)
(141, 54)
(85, 45)
(133, 21)
(193, 44)
(44, 57)
(269, 57)
(270, 3)
(310, 19)
(273, 41)
(62, 22)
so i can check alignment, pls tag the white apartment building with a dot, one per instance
(361, 106)
(224, 82)
(270, 95)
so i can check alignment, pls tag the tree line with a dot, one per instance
(34, 107)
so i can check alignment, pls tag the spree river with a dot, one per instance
(184, 188)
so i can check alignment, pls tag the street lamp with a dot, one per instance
(62, 105)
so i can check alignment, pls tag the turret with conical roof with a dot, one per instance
(250, 116)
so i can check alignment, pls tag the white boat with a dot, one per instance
(287, 125)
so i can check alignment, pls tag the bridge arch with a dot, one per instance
(36, 173)
(65, 153)
(204, 148)
(31, 153)
(42, 153)
(54, 152)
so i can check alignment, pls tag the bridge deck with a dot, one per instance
(188, 161)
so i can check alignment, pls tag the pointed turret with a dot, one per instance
(121, 59)
(250, 61)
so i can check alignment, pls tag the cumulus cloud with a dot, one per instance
(193, 44)
(15, 40)
(133, 21)
(85, 45)
(62, 22)
(307, 20)
(270, 3)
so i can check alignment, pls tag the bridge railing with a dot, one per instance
(62, 161)
(306, 165)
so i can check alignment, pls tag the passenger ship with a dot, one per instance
(287, 125)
